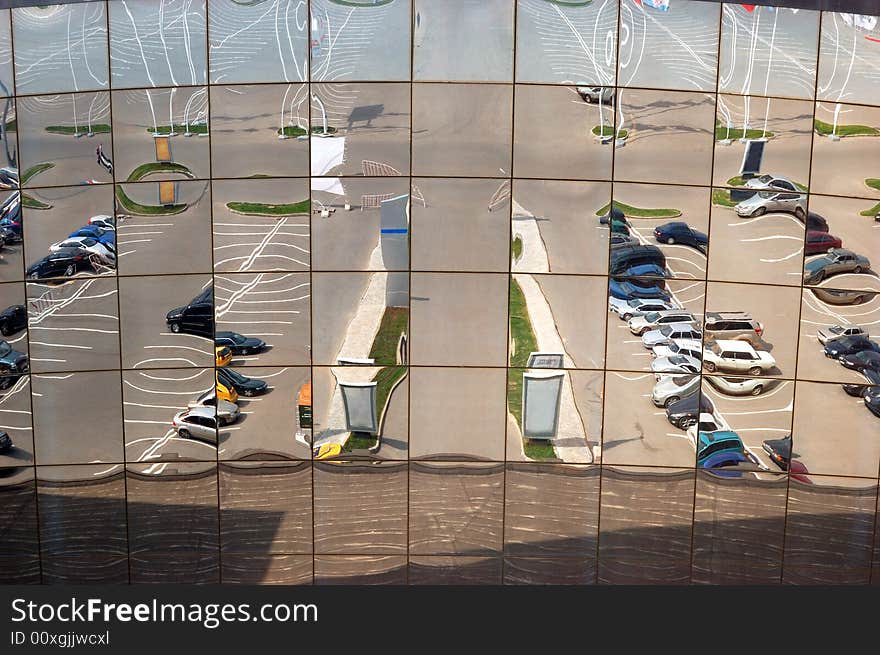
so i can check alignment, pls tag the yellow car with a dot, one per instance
(327, 450)
(226, 393)
(223, 355)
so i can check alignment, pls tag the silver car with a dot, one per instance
(773, 201)
(591, 94)
(197, 423)
(766, 181)
(668, 333)
(227, 412)
(733, 386)
(672, 388)
(836, 331)
(676, 364)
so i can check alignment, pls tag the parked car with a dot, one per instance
(733, 386)
(771, 182)
(677, 364)
(614, 214)
(65, 262)
(640, 324)
(222, 356)
(197, 423)
(626, 309)
(690, 347)
(680, 232)
(872, 400)
(646, 271)
(245, 386)
(13, 319)
(227, 412)
(103, 221)
(835, 261)
(836, 331)
(728, 464)
(8, 178)
(619, 239)
(671, 389)
(12, 362)
(842, 296)
(858, 390)
(626, 256)
(5, 442)
(733, 325)
(238, 343)
(195, 318)
(98, 233)
(707, 422)
(772, 201)
(104, 253)
(820, 242)
(779, 451)
(224, 392)
(595, 94)
(815, 222)
(635, 288)
(843, 346)
(11, 231)
(668, 333)
(684, 413)
(866, 360)
(730, 355)
(709, 443)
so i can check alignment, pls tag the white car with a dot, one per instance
(104, 252)
(837, 331)
(638, 325)
(626, 309)
(733, 355)
(707, 423)
(672, 388)
(226, 411)
(690, 347)
(771, 182)
(104, 221)
(676, 364)
(668, 333)
(739, 386)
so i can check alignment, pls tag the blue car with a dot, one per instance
(107, 237)
(680, 232)
(710, 444)
(646, 270)
(629, 289)
(718, 461)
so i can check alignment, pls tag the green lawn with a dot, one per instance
(36, 169)
(158, 167)
(639, 212)
(100, 128)
(12, 125)
(738, 133)
(296, 130)
(722, 197)
(198, 128)
(149, 210)
(824, 129)
(873, 211)
(358, 441)
(288, 209)
(608, 130)
(33, 203)
(873, 183)
(516, 247)
(394, 323)
(738, 180)
(525, 343)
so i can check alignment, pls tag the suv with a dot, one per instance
(732, 355)
(653, 320)
(733, 325)
(628, 255)
(195, 318)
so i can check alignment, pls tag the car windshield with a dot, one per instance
(682, 380)
(5, 349)
(715, 348)
(235, 375)
(652, 316)
(765, 178)
(89, 242)
(766, 194)
(666, 331)
(237, 338)
(835, 329)
(678, 359)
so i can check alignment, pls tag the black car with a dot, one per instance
(864, 361)
(5, 442)
(627, 255)
(779, 451)
(13, 319)
(238, 343)
(685, 412)
(680, 232)
(858, 390)
(61, 263)
(872, 400)
(842, 346)
(196, 318)
(816, 223)
(244, 386)
(13, 364)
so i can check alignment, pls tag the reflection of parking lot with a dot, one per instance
(817, 314)
(15, 420)
(766, 249)
(74, 325)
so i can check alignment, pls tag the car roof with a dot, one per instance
(735, 344)
(682, 326)
(728, 315)
(210, 412)
(719, 435)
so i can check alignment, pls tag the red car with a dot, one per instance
(819, 242)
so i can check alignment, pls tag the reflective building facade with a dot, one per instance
(439, 292)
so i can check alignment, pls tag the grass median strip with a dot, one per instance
(268, 209)
(296, 130)
(873, 211)
(639, 212)
(79, 130)
(825, 129)
(35, 170)
(150, 168)
(33, 203)
(134, 207)
(607, 130)
(722, 197)
(199, 128)
(873, 183)
(735, 133)
(516, 247)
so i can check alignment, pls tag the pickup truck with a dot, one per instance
(730, 355)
